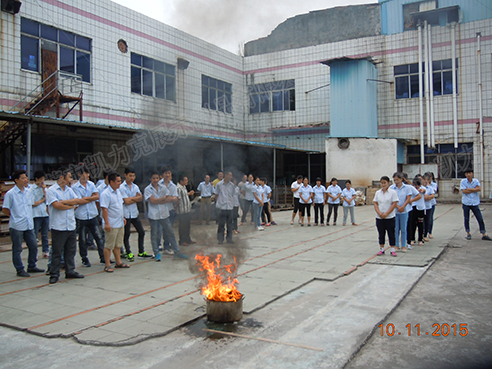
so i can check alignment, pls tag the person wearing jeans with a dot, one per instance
(248, 189)
(17, 204)
(158, 197)
(470, 188)
(39, 211)
(404, 193)
(258, 203)
(333, 192)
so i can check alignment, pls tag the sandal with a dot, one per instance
(108, 269)
(122, 265)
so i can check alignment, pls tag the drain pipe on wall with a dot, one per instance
(480, 108)
(431, 92)
(455, 103)
(421, 98)
(427, 98)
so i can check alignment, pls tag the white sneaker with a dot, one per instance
(260, 228)
(168, 252)
(409, 247)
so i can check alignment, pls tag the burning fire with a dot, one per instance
(221, 282)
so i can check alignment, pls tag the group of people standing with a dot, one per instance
(305, 196)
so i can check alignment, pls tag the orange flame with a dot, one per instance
(217, 288)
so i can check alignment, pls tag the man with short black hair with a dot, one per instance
(184, 211)
(17, 204)
(295, 190)
(131, 196)
(39, 211)
(206, 190)
(61, 201)
(225, 191)
(167, 176)
(470, 188)
(86, 216)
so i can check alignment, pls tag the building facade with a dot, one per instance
(152, 93)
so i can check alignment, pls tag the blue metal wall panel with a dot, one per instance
(353, 102)
(392, 12)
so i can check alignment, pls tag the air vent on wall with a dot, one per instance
(343, 143)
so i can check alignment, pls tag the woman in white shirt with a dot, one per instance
(385, 201)
(305, 200)
(334, 192)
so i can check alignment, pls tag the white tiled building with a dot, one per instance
(349, 73)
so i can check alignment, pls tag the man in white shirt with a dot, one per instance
(224, 203)
(206, 190)
(295, 190)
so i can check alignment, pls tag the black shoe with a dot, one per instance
(86, 263)
(53, 280)
(35, 270)
(23, 273)
(47, 271)
(486, 238)
(221, 242)
(230, 241)
(74, 275)
(92, 247)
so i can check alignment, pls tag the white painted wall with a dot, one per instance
(364, 161)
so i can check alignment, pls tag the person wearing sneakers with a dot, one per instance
(248, 188)
(295, 190)
(17, 204)
(334, 192)
(470, 189)
(61, 201)
(114, 222)
(385, 201)
(306, 195)
(86, 216)
(319, 202)
(166, 180)
(40, 211)
(158, 197)
(131, 195)
(266, 214)
(348, 197)
(258, 203)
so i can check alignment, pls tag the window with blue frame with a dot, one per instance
(272, 96)
(407, 79)
(74, 51)
(216, 94)
(447, 158)
(152, 77)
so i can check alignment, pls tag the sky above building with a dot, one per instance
(229, 23)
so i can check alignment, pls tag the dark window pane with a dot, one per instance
(170, 69)
(447, 82)
(159, 86)
(84, 65)
(136, 59)
(456, 62)
(228, 103)
(291, 83)
(254, 103)
(292, 100)
(413, 149)
(437, 85)
(83, 43)
(212, 99)
(220, 85)
(147, 78)
(29, 53)
(414, 68)
(287, 100)
(414, 85)
(29, 26)
(277, 101)
(49, 33)
(228, 87)
(401, 69)
(220, 100)
(148, 62)
(170, 88)
(401, 87)
(136, 80)
(67, 59)
(212, 82)
(265, 102)
(447, 64)
(205, 97)
(67, 38)
(436, 65)
(205, 80)
(159, 66)
(446, 148)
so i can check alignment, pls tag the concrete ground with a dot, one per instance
(319, 294)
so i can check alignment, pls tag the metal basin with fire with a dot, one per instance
(225, 311)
